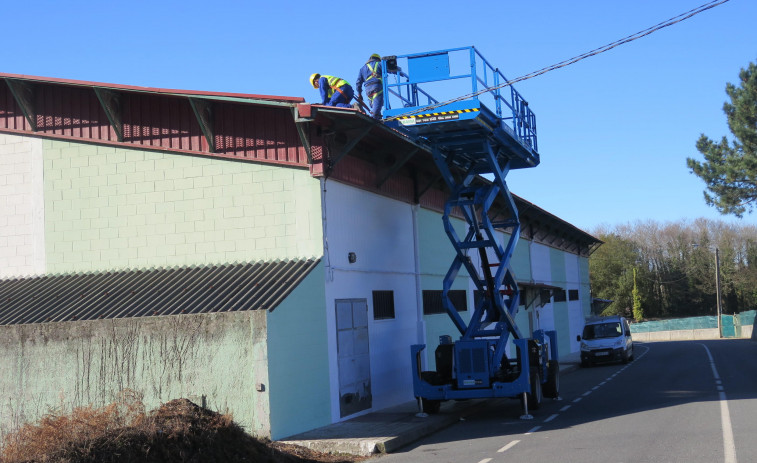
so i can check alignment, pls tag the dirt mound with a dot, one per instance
(178, 431)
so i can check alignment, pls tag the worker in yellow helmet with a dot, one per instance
(370, 75)
(334, 90)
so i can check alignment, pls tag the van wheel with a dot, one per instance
(552, 386)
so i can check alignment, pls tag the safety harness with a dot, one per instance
(374, 75)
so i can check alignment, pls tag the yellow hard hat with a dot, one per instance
(314, 78)
(375, 55)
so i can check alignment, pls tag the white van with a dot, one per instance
(606, 339)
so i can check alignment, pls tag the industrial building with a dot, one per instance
(253, 253)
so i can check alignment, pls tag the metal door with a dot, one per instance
(353, 355)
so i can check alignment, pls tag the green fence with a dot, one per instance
(744, 319)
(730, 324)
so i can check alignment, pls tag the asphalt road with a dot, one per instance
(685, 401)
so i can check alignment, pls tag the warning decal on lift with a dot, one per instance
(434, 117)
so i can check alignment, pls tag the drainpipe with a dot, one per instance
(324, 228)
(420, 326)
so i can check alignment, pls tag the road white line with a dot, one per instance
(534, 429)
(595, 388)
(485, 460)
(729, 446)
(586, 393)
(551, 418)
(712, 363)
(565, 408)
(577, 399)
(603, 383)
(508, 446)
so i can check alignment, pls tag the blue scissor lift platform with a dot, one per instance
(488, 132)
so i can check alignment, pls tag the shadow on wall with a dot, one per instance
(754, 329)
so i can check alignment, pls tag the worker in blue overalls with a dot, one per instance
(334, 91)
(370, 75)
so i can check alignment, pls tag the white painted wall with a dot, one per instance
(575, 309)
(541, 273)
(380, 233)
(22, 226)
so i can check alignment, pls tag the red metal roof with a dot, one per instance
(237, 126)
(84, 83)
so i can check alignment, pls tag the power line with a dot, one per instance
(575, 59)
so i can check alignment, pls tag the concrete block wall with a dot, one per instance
(110, 208)
(21, 206)
(687, 335)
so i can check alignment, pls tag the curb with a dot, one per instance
(376, 434)
(435, 423)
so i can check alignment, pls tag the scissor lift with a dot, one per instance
(487, 133)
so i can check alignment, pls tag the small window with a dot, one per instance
(559, 295)
(572, 294)
(432, 301)
(477, 298)
(383, 305)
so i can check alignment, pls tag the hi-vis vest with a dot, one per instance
(374, 70)
(374, 75)
(334, 83)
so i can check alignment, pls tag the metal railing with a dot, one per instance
(487, 85)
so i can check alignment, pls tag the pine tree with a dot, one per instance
(730, 170)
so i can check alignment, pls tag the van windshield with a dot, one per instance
(602, 330)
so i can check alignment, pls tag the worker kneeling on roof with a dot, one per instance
(334, 90)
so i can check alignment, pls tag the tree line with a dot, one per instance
(653, 270)
(656, 270)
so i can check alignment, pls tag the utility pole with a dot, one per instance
(717, 291)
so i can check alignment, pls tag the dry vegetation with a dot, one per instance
(178, 431)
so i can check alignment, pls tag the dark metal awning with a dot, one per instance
(536, 294)
(140, 293)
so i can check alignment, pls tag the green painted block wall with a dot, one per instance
(298, 359)
(560, 309)
(521, 260)
(436, 254)
(434, 248)
(110, 208)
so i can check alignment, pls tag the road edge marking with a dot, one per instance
(729, 445)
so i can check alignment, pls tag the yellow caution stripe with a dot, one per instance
(442, 113)
(441, 116)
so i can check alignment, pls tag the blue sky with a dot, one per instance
(614, 129)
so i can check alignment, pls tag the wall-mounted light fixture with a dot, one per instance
(351, 257)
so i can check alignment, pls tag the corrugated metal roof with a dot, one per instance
(199, 93)
(234, 126)
(141, 293)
